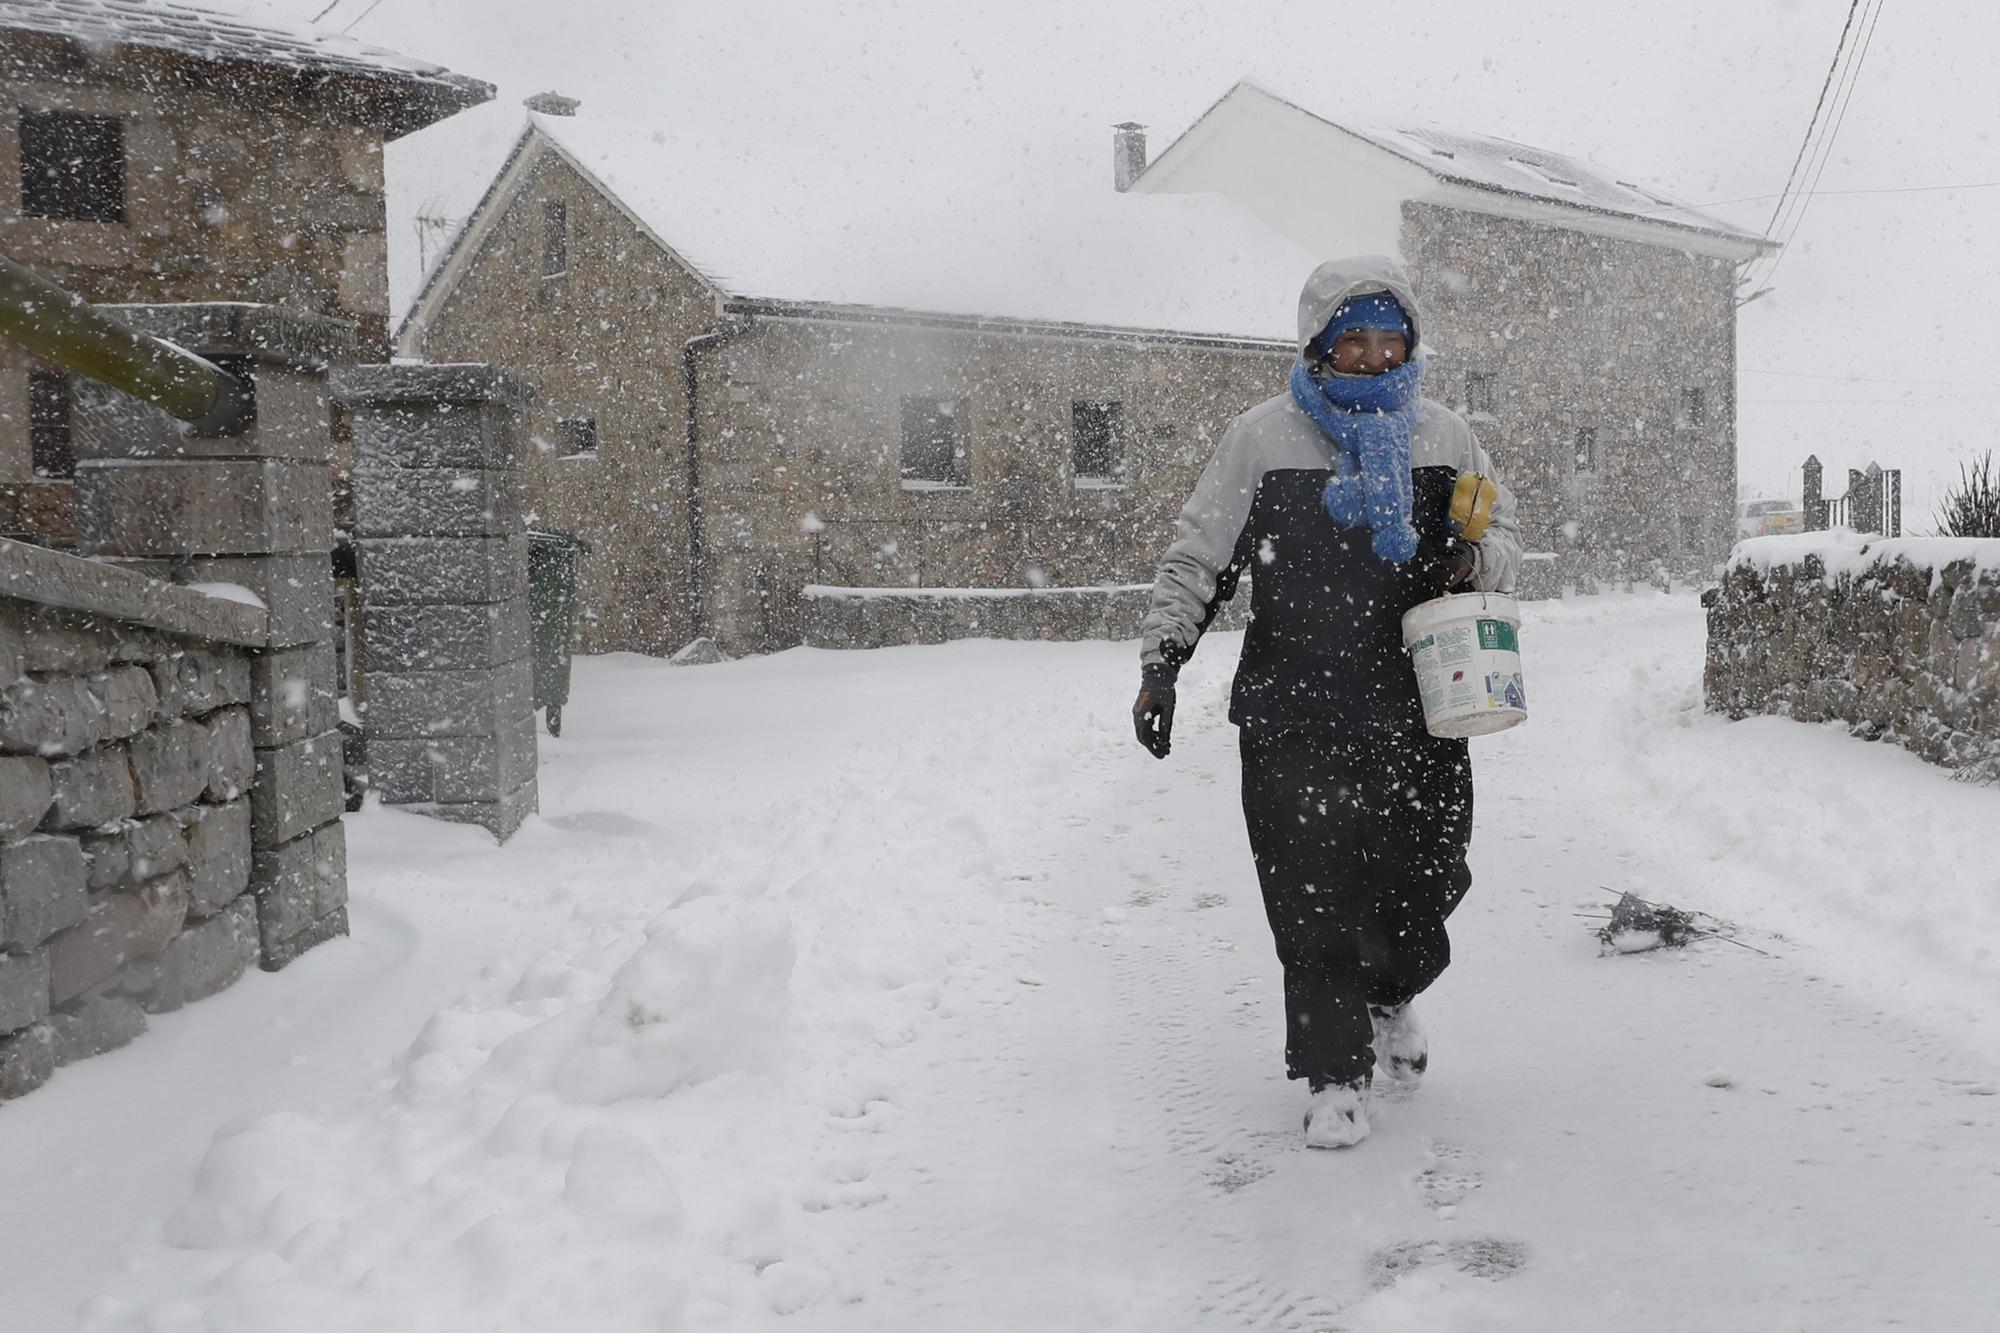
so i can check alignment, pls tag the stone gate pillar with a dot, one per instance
(440, 497)
(253, 510)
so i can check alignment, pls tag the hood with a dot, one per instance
(1333, 282)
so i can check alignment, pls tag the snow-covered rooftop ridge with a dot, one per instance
(1844, 552)
(207, 34)
(1491, 163)
(855, 223)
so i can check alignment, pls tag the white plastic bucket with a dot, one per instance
(1466, 649)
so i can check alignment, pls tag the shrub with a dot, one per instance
(1972, 508)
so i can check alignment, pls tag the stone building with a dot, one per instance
(1585, 324)
(762, 372)
(157, 151)
(770, 369)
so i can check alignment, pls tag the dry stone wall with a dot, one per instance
(170, 767)
(126, 832)
(886, 617)
(1900, 639)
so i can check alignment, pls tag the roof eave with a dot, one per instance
(394, 102)
(853, 312)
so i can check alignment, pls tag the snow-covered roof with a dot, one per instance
(1461, 162)
(1516, 168)
(206, 34)
(851, 224)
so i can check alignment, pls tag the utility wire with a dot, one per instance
(1852, 7)
(1846, 99)
(363, 15)
(324, 12)
(1758, 270)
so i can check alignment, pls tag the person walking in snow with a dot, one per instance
(1348, 499)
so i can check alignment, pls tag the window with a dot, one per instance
(576, 437)
(72, 166)
(48, 426)
(1097, 450)
(932, 452)
(1694, 406)
(555, 238)
(1693, 530)
(1586, 449)
(1482, 393)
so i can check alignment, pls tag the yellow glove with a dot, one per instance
(1472, 505)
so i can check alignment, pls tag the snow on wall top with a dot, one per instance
(844, 223)
(206, 34)
(1489, 163)
(1843, 551)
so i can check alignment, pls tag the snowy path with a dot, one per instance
(901, 991)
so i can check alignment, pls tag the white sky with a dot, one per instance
(1878, 342)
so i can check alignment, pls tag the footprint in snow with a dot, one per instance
(1489, 1257)
(1448, 1177)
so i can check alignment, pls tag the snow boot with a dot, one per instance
(1401, 1048)
(1338, 1115)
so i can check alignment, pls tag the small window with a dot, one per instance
(933, 452)
(1694, 406)
(576, 437)
(1693, 531)
(1482, 393)
(1586, 449)
(49, 426)
(72, 166)
(1097, 452)
(555, 238)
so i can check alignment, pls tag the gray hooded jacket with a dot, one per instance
(1324, 646)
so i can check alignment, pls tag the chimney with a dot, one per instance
(1128, 154)
(551, 104)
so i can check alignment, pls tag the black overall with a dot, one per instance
(1359, 819)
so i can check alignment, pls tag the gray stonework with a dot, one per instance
(792, 476)
(262, 185)
(93, 1025)
(440, 488)
(1578, 332)
(1901, 649)
(876, 618)
(152, 737)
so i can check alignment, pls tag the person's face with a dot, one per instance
(1369, 352)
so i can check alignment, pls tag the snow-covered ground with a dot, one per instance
(902, 990)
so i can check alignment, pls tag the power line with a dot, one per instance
(1846, 99)
(364, 14)
(324, 12)
(1841, 46)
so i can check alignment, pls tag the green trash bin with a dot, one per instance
(552, 560)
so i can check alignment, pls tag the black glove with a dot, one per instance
(1459, 564)
(1153, 710)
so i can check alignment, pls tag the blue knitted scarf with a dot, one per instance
(1369, 420)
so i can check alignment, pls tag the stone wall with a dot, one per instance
(801, 452)
(1898, 638)
(133, 868)
(170, 767)
(1583, 332)
(602, 342)
(884, 618)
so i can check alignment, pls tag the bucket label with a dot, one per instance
(1498, 636)
(1505, 690)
